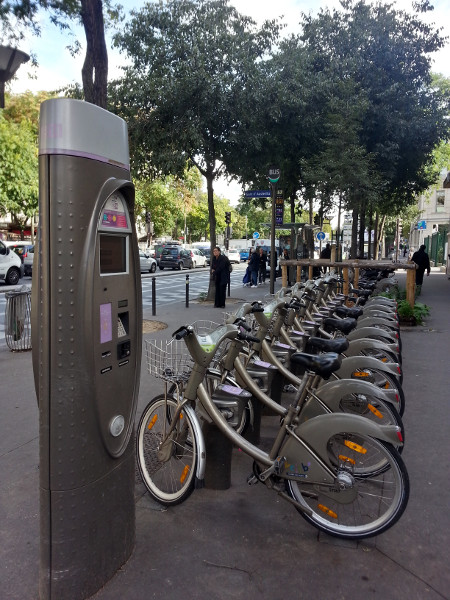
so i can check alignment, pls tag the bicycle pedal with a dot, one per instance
(252, 479)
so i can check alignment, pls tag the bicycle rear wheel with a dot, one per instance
(360, 504)
(167, 467)
(385, 381)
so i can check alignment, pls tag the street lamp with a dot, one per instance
(10, 61)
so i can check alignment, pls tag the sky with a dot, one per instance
(57, 68)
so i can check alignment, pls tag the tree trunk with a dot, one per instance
(362, 228)
(375, 237)
(212, 225)
(354, 246)
(95, 68)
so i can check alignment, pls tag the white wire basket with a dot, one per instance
(169, 361)
(204, 327)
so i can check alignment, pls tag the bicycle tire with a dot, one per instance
(375, 409)
(169, 480)
(386, 381)
(358, 506)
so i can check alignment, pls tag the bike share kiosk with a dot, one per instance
(86, 334)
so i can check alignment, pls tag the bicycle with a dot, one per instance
(320, 466)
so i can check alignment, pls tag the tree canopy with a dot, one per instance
(192, 75)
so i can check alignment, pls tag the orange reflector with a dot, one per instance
(386, 385)
(361, 374)
(346, 459)
(184, 473)
(384, 360)
(375, 411)
(327, 511)
(152, 422)
(355, 447)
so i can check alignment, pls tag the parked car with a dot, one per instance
(206, 251)
(28, 261)
(198, 258)
(11, 267)
(20, 248)
(234, 256)
(244, 254)
(147, 263)
(175, 257)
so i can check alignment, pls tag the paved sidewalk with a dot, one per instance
(245, 542)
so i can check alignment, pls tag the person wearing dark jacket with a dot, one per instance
(253, 265)
(326, 253)
(220, 271)
(262, 266)
(422, 261)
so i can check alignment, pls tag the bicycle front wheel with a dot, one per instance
(360, 504)
(167, 462)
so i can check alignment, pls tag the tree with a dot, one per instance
(386, 54)
(18, 15)
(192, 72)
(18, 170)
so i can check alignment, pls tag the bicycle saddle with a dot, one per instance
(322, 364)
(344, 311)
(342, 325)
(337, 345)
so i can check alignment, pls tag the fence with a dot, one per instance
(356, 265)
(435, 246)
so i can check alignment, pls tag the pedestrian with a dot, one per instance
(262, 267)
(253, 265)
(422, 261)
(220, 272)
(326, 253)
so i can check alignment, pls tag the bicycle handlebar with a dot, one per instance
(180, 333)
(248, 338)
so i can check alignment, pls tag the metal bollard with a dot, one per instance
(187, 291)
(153, 296)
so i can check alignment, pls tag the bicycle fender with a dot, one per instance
(201, 462)
(366, 332)
(356, 363)
(332, 392)
(317, 431)
(359, 345)
(380, 314)
(371, 321)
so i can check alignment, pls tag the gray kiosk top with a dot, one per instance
(78, 128)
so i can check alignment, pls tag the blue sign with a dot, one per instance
(422, 225)
(255, 235)
(320, 236)
(257, 194)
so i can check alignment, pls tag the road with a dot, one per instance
(170, 288)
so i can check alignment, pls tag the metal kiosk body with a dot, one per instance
(86, 333)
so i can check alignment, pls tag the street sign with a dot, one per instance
(279, 209)
(320, 236)
(255, 235)
(257, 194)
(274, 174)
(422, 225)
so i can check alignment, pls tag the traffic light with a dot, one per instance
(317, 219)
(148, 216)
(227, 218)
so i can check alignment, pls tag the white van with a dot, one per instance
(11, 268)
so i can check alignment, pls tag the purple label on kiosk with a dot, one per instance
(105, 323)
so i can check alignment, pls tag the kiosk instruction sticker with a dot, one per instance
(114, 214)
(105, 323)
